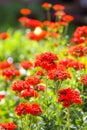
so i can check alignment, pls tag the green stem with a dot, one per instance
(68, 118)
(66, 30)
(57, 114)
(48, 15)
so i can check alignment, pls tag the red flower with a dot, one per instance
(46, 5)
(29, 93)
(79, 35)
(5, 64)
(80, 31)
(67, 18)
(10, 73)
(8, 126)
(84, 80)
(26, 64)
(22, 108)
(21, 85)
(4, 35)
(58, 7)
(33, 80)
(18, 86)
(72, 64)
(25, 11)
(27, 22)
(77, 51)
(77, 40)
(58, 74)
(35, 109)
(69, 96)
(40, 87)
(23, 19)
(46, 60)
(59, 13)
(2, 96)
(33, 23)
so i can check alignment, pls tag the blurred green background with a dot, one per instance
(9, 12)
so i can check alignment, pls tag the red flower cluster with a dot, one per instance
(33, 80)
(27, 22)
(70, 63)
(26, 93)
(58, 74)
(26, 64)
(19, 86)
(67, 18)
(2, 96)
(46, 60)
(5, 64)
(25, 11)
(69, 96)
(33, 109)
(4, 35)
(79, 35)
(77, 51)
(26, 88)
(84, 80)
(10, 73)
(8, 126)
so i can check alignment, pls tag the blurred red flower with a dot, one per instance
(10, 73)
(58, 7)
(4, 35)
(2, 96)
(5, 64)
(26, 64)
(46, 5)
(67, 18)
(25, 11)
(8, 126)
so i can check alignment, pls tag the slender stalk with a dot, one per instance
(48, 15)
(58, 84)
(68, 119)
(66, 30)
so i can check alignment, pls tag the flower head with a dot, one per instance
(69, 96)
(26, 64)
(8, 126)
(2, 96)
(46, 5)
(58, 74)
(46, 60)
(58, 7)
(10, 73)
(67, 18)
(84, 80)
(5, 64)
(25, 11)
(35, 109)
(4, 35)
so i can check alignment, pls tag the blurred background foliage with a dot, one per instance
(9, 11)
